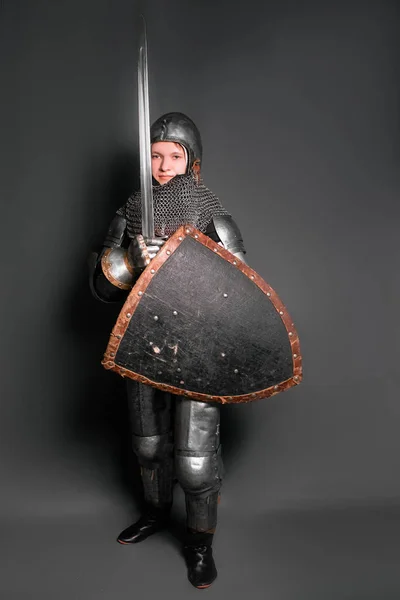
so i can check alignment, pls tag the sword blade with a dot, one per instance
(144, 139)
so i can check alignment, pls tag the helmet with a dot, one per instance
(177, 127)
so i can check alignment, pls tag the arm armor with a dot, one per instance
(224, 229)
(110, 272)
(116, 233)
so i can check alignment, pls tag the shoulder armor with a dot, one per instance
(223, 229)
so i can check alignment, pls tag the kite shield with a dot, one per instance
(202, 324)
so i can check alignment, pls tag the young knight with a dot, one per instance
(173, 437)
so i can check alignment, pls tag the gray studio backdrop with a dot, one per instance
(298, 106)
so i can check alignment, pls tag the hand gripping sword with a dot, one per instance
(146, 188)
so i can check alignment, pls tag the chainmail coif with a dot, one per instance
(180, 201)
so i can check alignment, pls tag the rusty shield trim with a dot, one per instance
(138, 291)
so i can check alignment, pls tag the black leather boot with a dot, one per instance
(153, 520)
(199, 559)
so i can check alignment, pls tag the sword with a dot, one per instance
(146, 188)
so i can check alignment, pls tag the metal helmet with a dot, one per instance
(177, 127)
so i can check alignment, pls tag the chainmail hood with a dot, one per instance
(180, 201)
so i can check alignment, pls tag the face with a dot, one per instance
(167, 160)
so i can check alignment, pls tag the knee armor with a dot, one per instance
(198, 475)
(153, 449)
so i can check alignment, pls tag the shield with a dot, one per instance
(202, 324)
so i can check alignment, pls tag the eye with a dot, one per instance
(176, 156)
(155, 156)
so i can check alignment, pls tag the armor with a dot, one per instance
(179, 128)
(223, 229)
(180, 201)
(167, 338)
(109, 271)
(176, 437)
(188, 450)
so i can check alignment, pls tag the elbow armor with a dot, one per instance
(110, 273)
(223, 229)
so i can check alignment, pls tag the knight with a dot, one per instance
(173, 437)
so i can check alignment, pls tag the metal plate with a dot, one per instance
(202, 324)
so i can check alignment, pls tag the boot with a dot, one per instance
(157, 486)
(199, 559)
(153, 520)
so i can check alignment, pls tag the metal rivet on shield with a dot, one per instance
(118, 336)
(268, 293)
(140, 293)
(152, 271)
(187, 230)
(225, 295)
(222, 354)
(168, 251)
(234, 262)
(296, 377)
(179, 370)
(251, 276)
(215, 249)
(236, 371)
(128, 315)
(276, 387)
(155, 318)
(181, 382)
(290, 333)
(175, 312)
(281, 312)
(150, 343)
(294, 355)
(112, 354)
(180, 238)
(196, 236)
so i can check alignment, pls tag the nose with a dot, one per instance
(165, 164)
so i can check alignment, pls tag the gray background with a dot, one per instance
(298, 106)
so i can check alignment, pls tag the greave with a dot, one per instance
(201, 512)
(157, 484)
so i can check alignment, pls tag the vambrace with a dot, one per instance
(223, 229)
(116, 232)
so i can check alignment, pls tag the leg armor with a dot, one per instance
(150, 415)
(197, 461)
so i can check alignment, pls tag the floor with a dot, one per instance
(326, 554)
